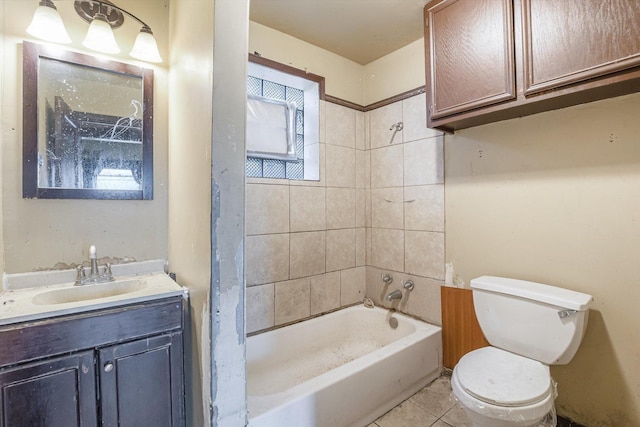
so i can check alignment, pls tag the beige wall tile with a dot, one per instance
(352, 285)
(308, 208)
(424, 300)
(367, 131)
(341, 249)
(341, 208)
(424, 208)
(361, 247)
(292, 300)
(361, 207)
(367, 208)
(260, 307)
(325, 292)
(424, 254)
(414, 116)
(267, 258)
(387, 249)
(360, 131)
(381, 119)
(267, 209)
(387, 167)
(362, 176)
(307, 254)
(340, 166)
(340, 125)
(387, 208)
(424, 162)
(368, 246)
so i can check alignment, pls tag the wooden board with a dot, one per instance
(461, 332)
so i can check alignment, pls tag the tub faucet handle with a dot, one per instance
(408, 285)
(387, 278)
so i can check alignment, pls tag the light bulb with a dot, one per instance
(47, 24)
(100, 36)
(145, 48)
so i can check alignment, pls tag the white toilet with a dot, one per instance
(529, 326)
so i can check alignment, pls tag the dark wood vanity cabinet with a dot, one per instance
(490, 60)
(129, 372)
(139, 382)
(57, 392)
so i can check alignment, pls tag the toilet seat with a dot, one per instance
(501, 378)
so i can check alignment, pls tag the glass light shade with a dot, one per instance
(100, 36)
(145, 48)
(47, 25)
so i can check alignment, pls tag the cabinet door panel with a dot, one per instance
(571, 41)
(471, 54)
(141, 383)
(53, 393)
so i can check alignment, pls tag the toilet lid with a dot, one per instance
(501, 378)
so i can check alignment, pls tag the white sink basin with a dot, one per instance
(88, 292)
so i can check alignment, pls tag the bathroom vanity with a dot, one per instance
(118, 365)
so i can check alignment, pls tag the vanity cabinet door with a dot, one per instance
(141, 383)
(470, 55)
(568, 42)
(58, 392)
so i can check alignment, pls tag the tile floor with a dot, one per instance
(433, 406)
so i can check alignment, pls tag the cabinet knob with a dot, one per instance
(108, 367)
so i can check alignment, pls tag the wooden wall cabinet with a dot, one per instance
(490, 60)
(113, 367)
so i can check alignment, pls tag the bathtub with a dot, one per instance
(345, 368)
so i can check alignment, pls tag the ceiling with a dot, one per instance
(360, 30)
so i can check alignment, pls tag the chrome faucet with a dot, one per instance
(387, 278)
(397, 294)
(94, 273)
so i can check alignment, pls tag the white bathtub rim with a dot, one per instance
(380, 311)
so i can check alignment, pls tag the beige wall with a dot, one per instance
(207, 157)
(190, 132)
(397, 72)
(3, 126)
(40, 233)
(555, 198)
(343, 77)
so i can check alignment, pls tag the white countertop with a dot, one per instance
(34, 303)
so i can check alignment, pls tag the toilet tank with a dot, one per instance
(541, 322)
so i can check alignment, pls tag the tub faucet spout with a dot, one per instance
(397, 294)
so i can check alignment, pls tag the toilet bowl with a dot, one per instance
(501, 389)
(529, 326)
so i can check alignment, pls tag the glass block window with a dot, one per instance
(270, 168)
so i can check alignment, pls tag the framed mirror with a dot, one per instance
(87, 127)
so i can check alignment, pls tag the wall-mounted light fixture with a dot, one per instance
(102, 16)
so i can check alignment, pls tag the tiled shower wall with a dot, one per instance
(313, 247)
(305, 246)
(406, 229)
